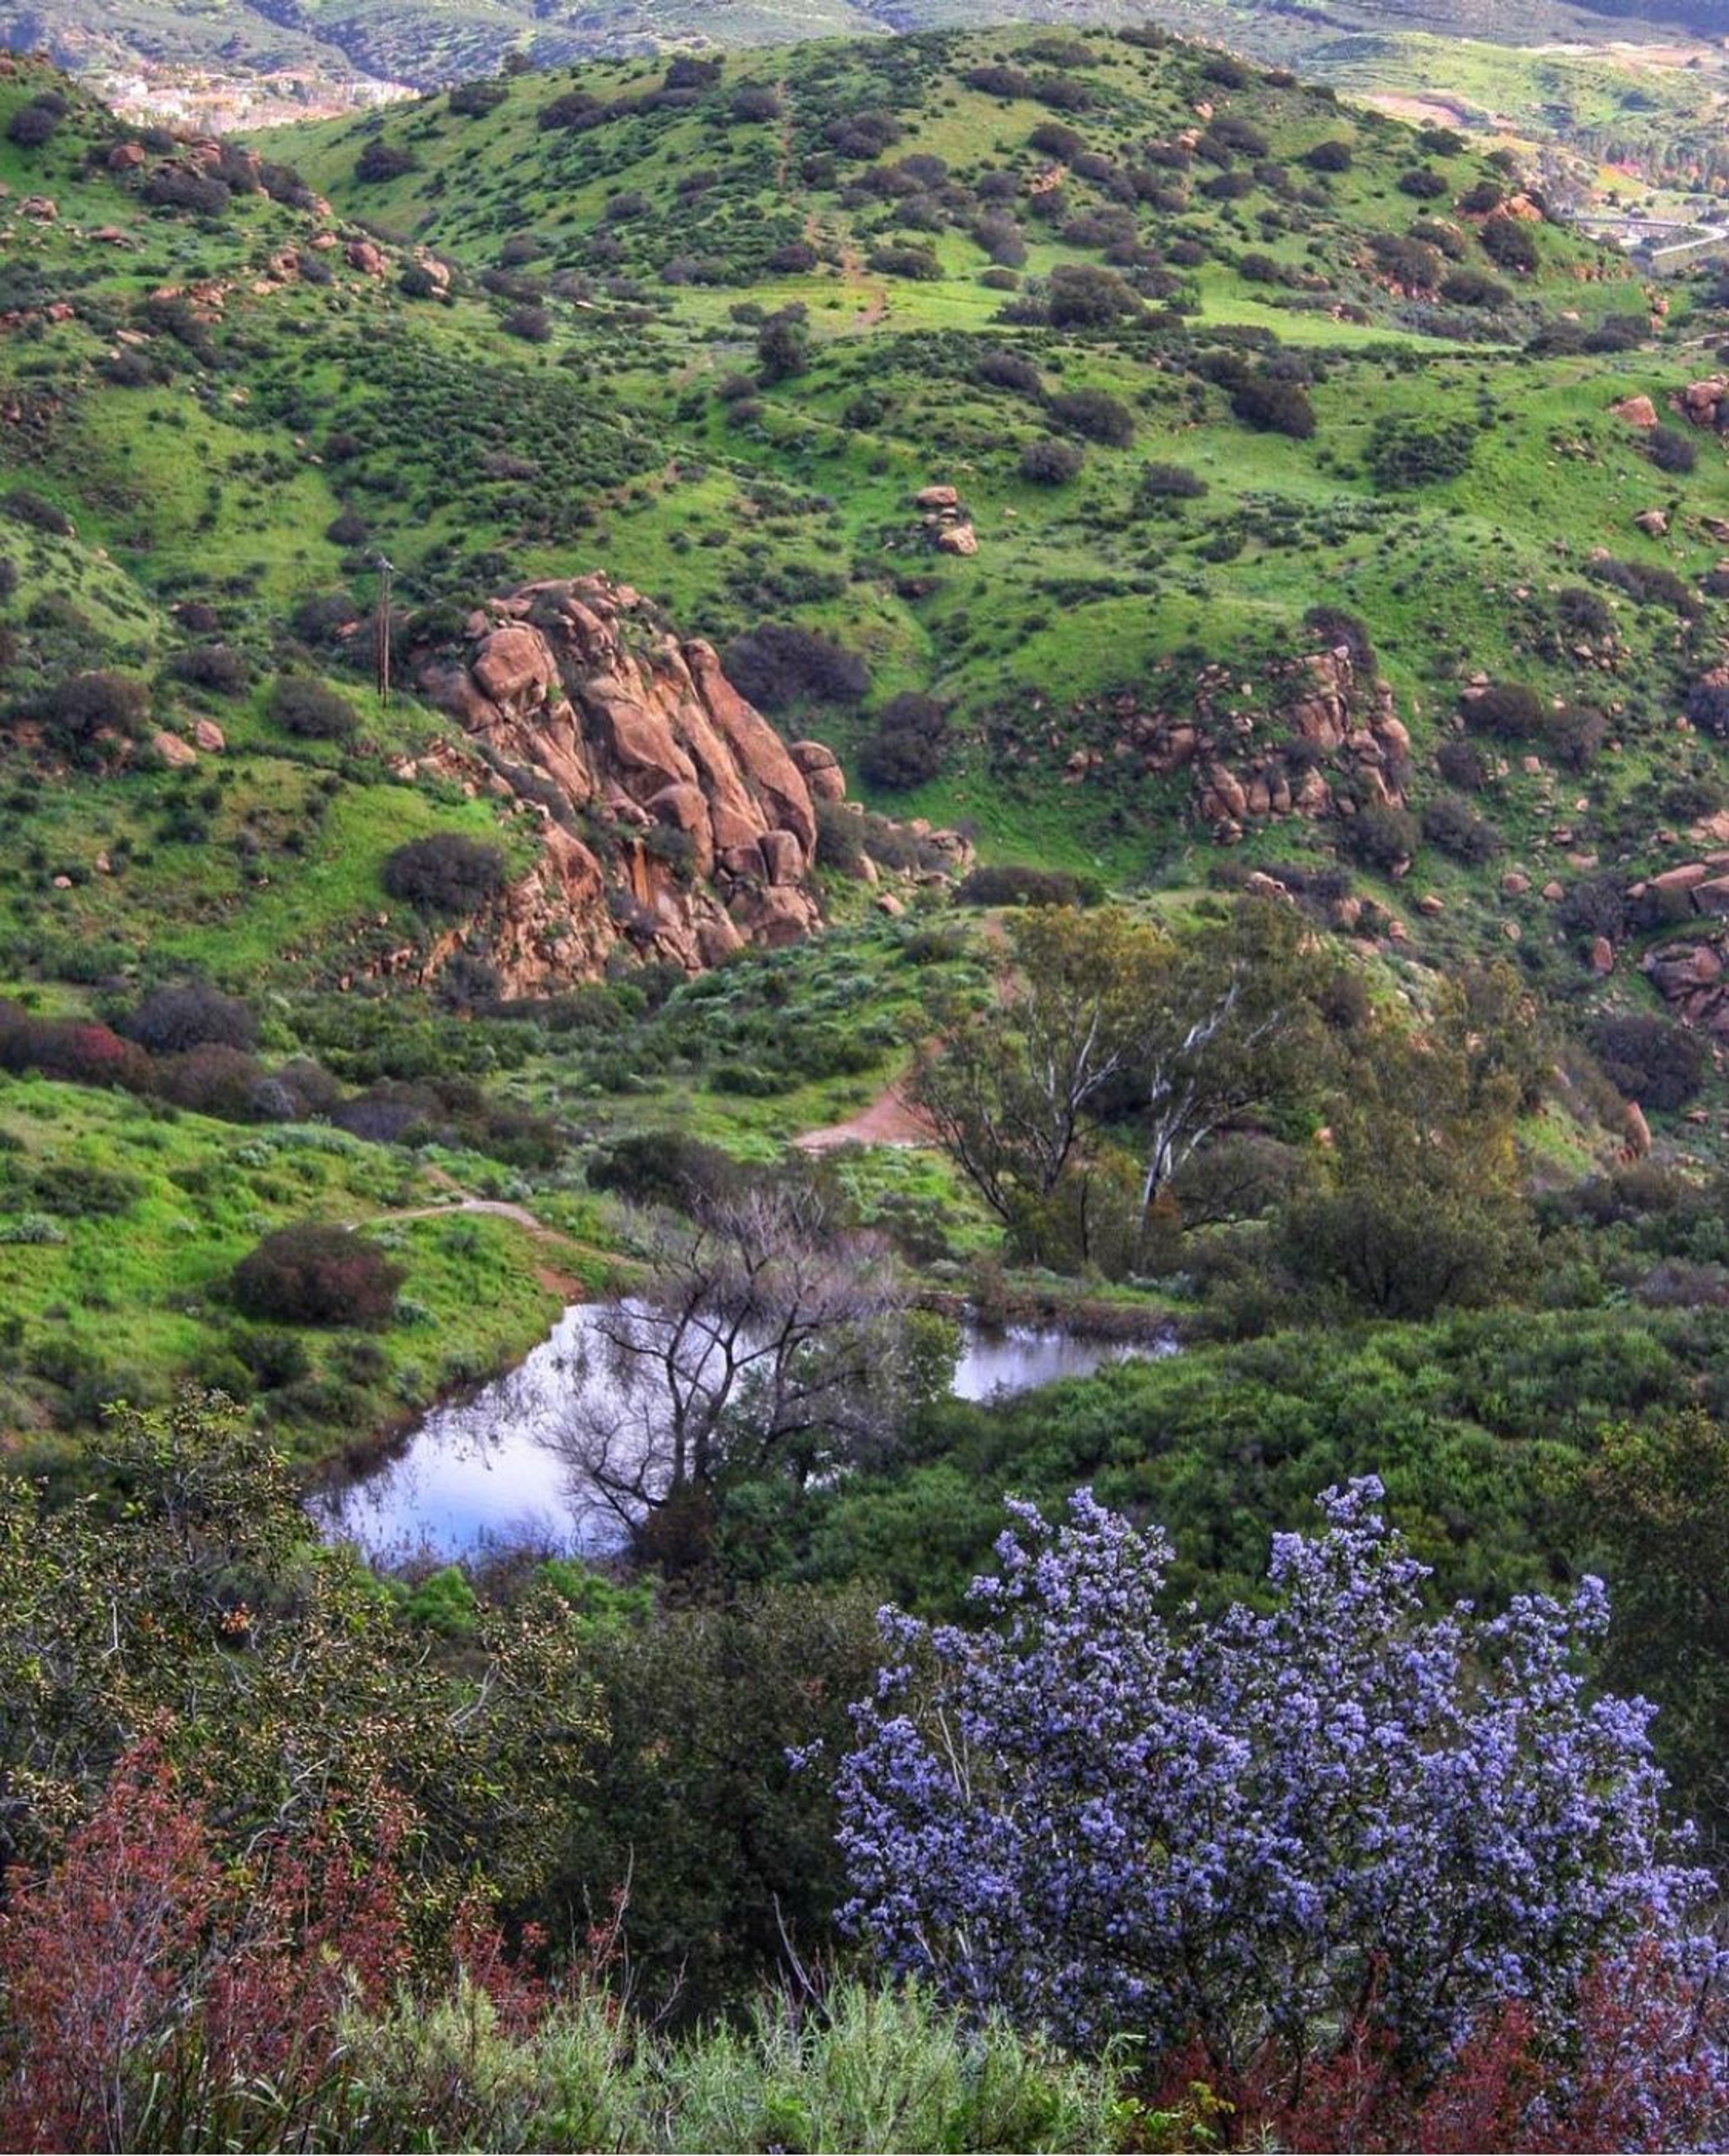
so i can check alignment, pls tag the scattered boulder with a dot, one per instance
(1636, 411)
(1654, 522)
(958, 539)
(175, 753)
(938, 497)
(208, 735)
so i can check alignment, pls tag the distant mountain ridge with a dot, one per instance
(338, 45)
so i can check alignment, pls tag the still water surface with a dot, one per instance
(485, 1473)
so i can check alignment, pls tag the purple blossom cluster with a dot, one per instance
(1254, 1829)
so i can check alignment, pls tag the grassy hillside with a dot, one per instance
(713, 332)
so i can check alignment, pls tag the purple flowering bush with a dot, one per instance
(1258, 1837)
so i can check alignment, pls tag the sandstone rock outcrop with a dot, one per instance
(674, 821)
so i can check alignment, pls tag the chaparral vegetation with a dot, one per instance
(815, 862)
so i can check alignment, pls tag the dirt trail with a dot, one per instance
(498, 1208)
(569, 1286)
(889, 1120)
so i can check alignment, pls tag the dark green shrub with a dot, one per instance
(1451, 823)
(1379, 837)
(317, 1275)
(1096, 415)
(173, 187)
(909, 744)
(1009, 370)
(1163, 482)
(778, 664)
(306, 708)
(1009, 886)
(170, 1020)
(1402, 452)
(1470, 288)
(1051, 462)
(1708, 704)
(1648, 1059)
(474, 100)
(1510, 711)
(668, 1168)
(1330, 156)
(85, 705)
(1670, 451)
(573, 109)
(1275, 406)
(218, 667)
(30, 124)
(1508, 242)
(782, 348)
(1083, 297)
(382, 160)
(1422, 184)
(34, 509)
(445, 873)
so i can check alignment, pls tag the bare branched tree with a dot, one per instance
(765, 1337)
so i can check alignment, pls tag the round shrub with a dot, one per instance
(1331, 156)
(1403, 453)
(1576, 736)
(32, 124)
(1670, 451)
(778, 665)
(211, 1081)
(171, 1020)
(1163, 482)
(1470, 288)
(1508, 241)
(1082, 297)
(306, 708)
(1422, 184)
(1009, 370)
(315, 1275)
(474, 100)
(1380, 838)
(667, 1168)
(1463, 764)
(445, 873)
(1275, 406)
(908, 746)
(174, 187)
(1450, 823)
(383, 160)
(1510, 710)
(218, 667)
(1648, 1059)
(1051, 462)
(85, 705)
(1708, 704)
(1096, 415)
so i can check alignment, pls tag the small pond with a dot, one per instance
(485, 1473)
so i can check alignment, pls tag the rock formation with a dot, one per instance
(1690, 970)
(1321, 740)
(676, 822)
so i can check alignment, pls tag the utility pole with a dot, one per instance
(381, 634)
